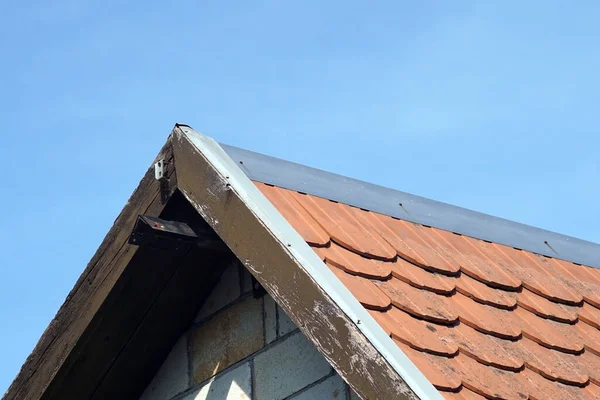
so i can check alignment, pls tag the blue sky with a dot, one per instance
(486, 105)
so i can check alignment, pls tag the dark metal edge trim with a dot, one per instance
(290, 175)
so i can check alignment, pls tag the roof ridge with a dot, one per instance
(413, 208)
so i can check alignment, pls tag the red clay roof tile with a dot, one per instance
(590, 363)
(409, 244)
(420, 278)
(480, 264)
(434, 242)
(590, 337)
(444, 373)
(539, 279)
(581, 279)
(555, 365)
(463, 394)
(480, 320)
(540, 388)
(552, 334)
(419, 334)
(488, 349)
(295, 214)
(589, 314)
(364, 290)
(486, 319)
(593, 391)
(420, 303)
(491, 382)
(484, 294)
(346, 227)
(545, 308)
(355, 264)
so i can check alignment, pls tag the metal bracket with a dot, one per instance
(159, 170)
(158, 233)
(172, 235)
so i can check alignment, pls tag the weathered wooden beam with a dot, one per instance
(229, 205)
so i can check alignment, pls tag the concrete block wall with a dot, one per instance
(244, 348)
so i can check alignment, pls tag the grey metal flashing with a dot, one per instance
(394, 203)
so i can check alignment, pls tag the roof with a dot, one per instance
(399, 293)
(477, 318)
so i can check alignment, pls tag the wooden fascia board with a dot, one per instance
(49, 358)
(325, 311)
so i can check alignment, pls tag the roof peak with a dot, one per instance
(409, 207)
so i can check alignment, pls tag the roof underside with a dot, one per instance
(477, 318)
(408, 207)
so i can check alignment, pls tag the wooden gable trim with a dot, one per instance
(229, 202)
(112, 322)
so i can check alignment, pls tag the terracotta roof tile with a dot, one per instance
(552, 334)
(364, 290)
(593, 391)
(420, 278)
(487, 349)
(409, 244)
(482, 293)
(295, 214)
(432, 239)
(419, 334)
(354, 263)
(545, 308)
(480, 320)
(590, 363)
(491, 382)
(346, 227)
(420, 303)
(463, 394)
(554, 365)
(443, 372)
(481, 264)
(589, 314)
(540, 388)
(540, 280)
(590, 337)
(583, 280)
(487, 319)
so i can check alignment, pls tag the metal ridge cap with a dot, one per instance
(398, 204)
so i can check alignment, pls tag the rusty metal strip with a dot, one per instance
(293, 274)
(413, 208)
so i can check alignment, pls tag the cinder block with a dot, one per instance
(224, 293)
(285, 323)
(228, 337)
(333, 388)
(290, 365)
(172, 377)
(231, 385)
(270, 319)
